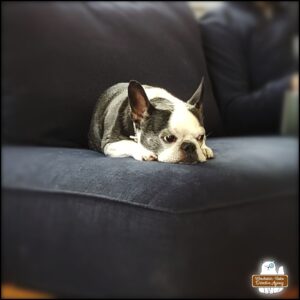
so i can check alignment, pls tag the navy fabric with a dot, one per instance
(76, 223)
(73, 246)
(244, 170)
(58, 57)
(251, 60)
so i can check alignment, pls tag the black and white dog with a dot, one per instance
(148, 123)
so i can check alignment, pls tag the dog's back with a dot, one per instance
(112, 102)
(110, 121)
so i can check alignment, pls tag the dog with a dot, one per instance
(148, 123)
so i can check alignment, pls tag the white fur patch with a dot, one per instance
(182, 121)
(126, 148)
(184, 124)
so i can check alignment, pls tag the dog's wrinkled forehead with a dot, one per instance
(184, 121)
(180, 117)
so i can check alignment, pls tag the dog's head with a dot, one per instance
(167, 126)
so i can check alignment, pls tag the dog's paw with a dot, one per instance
(201, 157)
(150, 157)
(144, 154)
(208, 153)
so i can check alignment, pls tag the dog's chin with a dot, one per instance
(180, 159)
(189, 160)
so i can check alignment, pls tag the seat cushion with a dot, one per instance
(240, 173)
(59, 57)
(78, 223)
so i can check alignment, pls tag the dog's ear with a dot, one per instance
(197, 99)
(138, 100)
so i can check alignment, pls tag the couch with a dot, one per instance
(78, 224)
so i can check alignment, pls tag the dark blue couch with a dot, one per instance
(77, 223)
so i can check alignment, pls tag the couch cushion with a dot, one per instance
(240, 173)
(59, 57)
(76, 223)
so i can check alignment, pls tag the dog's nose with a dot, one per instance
(188, 147)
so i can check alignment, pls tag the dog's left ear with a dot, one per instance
(139, 102)
(197, 99)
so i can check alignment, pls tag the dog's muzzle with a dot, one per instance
(190, 155)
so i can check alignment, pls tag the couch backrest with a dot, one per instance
(58, 57)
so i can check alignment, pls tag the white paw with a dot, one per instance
(144, 154)
(201, 157)
(208, 153)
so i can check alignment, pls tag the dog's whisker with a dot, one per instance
(207, 135)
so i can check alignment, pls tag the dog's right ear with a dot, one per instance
(197, 99)
(138, 100)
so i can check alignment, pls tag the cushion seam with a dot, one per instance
(165, 210)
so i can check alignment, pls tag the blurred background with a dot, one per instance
(201, 7)
(252, 55)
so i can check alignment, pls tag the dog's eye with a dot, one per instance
(200, 137)
(170, 138)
